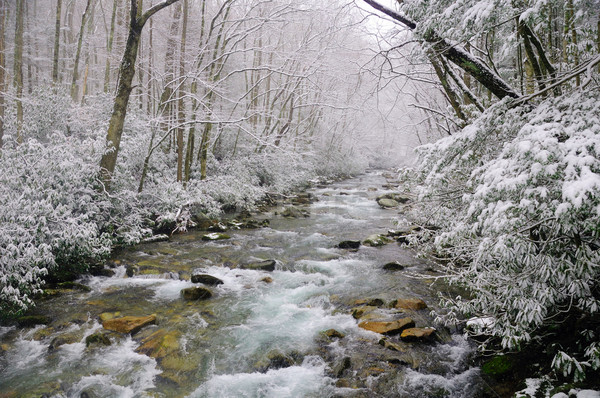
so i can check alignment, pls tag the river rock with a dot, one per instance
(196, 293)
(342, 366)
(376, 240)
(372, 302)
(275, 359)
(304, 198)
(215, 236)
(333, 334)
(62, 340)
(131, 270)
(159, 344)
(360, 312)
(349, 244)
(417, 334)
(391, 345)
(409, 304)
(294, 212)
(97, 338)
(206, 279)
(397, 197)
(267, 279)
(393, 266)
(266, 265)
(129, 324)
(387, 203)
(383, 327)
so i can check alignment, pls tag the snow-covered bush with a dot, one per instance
(49, 213)
(517, 195)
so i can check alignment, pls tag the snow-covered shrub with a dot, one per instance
(49, 213)
(517, 195)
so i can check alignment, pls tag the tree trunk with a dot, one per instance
(18, 68)
(56, 42)
(126, 73)
(74, 88)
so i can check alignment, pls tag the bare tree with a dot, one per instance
(126, 74)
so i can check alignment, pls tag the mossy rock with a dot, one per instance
(97, 338)
(498, 366)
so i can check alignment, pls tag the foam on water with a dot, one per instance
(295, 381)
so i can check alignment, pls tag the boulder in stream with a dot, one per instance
(376, 240)
(129, 324)
(333, 334)
(156, 238)
(97, 338)
(206, 279)
(349, 244)
(294, 212)
(266, 265)
(414, 304)
(417, 334)
(387, 203)
(215, 236)
(195, 293)
(393, 266)
(385, 327)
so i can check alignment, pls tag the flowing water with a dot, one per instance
(252, 338)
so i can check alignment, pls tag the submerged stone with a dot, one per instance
(206, 279)
(196, 293)
(74, 286)
(383, 327)
(159, 344)
(129, 324)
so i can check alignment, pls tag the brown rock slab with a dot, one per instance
(382, 327)
(417, 334)
(409, 304)
(129, 324)
(332, 333)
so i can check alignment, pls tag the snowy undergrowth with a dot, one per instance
(517, 195)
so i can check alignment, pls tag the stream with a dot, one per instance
(261, 333)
